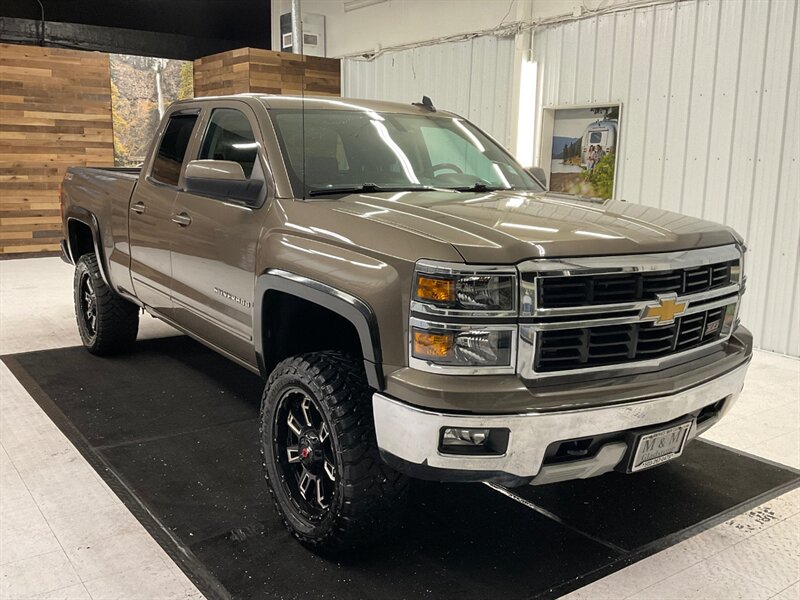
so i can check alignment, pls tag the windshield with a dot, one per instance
(350, 150)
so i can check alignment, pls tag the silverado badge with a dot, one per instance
(665, 310)
(233, 298)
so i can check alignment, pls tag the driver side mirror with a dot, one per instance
(539, 175)
(224, 179)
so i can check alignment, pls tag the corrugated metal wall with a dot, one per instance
(472, 78)
(710, 126)
(710, 120)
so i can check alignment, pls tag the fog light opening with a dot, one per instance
(479, 441)
(464, 437)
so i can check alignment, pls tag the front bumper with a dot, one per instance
(408, 436)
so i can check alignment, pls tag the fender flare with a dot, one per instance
(81, 215)
(355, 310)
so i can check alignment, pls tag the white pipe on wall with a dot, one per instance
(297, 28)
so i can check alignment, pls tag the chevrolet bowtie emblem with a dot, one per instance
(665, 310)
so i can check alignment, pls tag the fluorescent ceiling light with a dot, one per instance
(526, 119)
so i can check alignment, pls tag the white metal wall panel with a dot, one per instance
(638, 102)
(726, 79)
(490, 86)
(681, 98)
(711, 123)
(658, 106)
(588, 36)
(603, 58)
(472, 78)
(622, 59)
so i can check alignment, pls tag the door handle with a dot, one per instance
(138, 208)
(182, 219)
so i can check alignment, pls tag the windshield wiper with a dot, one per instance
(372, 188)
(481, 187)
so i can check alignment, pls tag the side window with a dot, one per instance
(168, 161)
(230, 137)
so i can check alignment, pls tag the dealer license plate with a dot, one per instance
(660, 446)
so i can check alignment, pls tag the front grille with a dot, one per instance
(586, 290)
(586, 347)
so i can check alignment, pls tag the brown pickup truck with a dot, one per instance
(416, 301)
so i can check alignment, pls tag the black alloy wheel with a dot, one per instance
(107, 322)
(304, 448)
(88, 306)
(320, 454)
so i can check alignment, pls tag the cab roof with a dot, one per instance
(271, 101)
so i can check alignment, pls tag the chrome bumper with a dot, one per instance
(410, 435)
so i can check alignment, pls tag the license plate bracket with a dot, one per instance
(657, 445)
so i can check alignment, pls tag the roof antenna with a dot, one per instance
(426, 104)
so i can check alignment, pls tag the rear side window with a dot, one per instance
(167, 165)
(230, 137)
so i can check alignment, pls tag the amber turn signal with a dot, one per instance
(432, 345)
(435, 289)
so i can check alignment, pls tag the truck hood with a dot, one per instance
(508, 227)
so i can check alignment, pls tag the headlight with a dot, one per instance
(463, 319)
(458, 289)
(464, 347)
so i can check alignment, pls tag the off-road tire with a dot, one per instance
(116, 319)
(369, 496)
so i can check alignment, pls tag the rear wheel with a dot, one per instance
(320, 454)
(107, 323)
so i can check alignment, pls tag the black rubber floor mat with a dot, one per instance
(172, 428)
(632, 511)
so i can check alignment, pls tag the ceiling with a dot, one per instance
(189, 26)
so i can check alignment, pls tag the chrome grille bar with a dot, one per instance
(622, 336)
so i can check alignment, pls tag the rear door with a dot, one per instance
(214, 251)
(151, 210)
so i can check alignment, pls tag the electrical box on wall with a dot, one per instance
(313, 34)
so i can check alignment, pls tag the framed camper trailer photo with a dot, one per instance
(580, 144)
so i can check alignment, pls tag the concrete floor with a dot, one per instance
(64, 534)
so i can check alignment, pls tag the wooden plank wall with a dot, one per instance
(55, 111)
(223, 73)
(266, 72)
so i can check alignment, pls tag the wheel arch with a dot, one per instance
(79, 223)
(351, 309)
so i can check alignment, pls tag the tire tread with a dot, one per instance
(374, 494)
(117, 319)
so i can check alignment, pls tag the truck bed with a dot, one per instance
(102, 194)
(125, 172)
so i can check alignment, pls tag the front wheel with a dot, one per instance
(107, 323)
(320, 455)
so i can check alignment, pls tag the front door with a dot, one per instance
(214, 249)
(151, 209)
